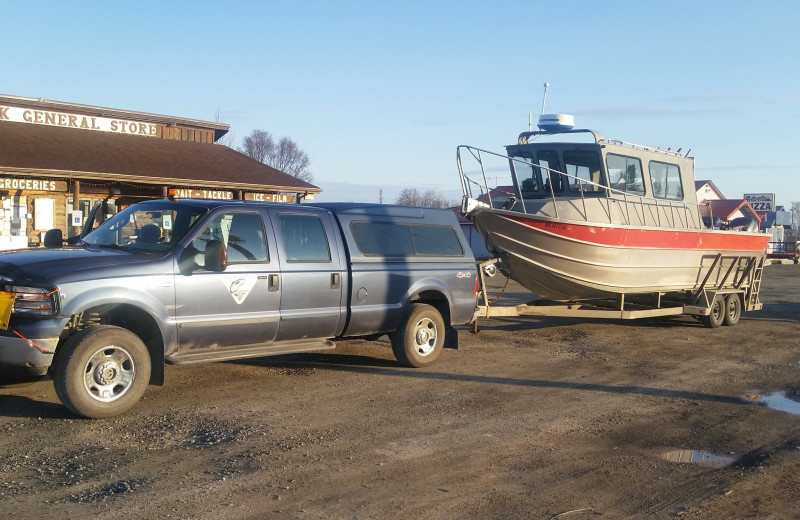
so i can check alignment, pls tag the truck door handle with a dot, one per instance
(274, 283)
(336, 281)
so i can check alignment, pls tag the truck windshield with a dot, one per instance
(146, 227)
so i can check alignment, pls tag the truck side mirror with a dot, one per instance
(53, 238)
(215, 257)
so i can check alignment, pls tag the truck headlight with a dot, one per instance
(33, 301)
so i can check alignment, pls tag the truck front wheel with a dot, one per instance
(420, 339)
(103, 371)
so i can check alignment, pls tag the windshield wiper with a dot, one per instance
(106, 246)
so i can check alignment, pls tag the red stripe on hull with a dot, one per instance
(650, 238)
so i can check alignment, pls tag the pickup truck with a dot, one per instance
(195, 281)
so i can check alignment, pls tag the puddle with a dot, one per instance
(781, 401)
(698, 457)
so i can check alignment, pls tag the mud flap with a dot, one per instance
(451, 337)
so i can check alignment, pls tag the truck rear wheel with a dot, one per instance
(420, 339)
(103, 371)
(733, 309)
(716, 314)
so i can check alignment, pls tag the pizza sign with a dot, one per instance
(761, 201)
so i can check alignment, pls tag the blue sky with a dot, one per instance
(379, 93)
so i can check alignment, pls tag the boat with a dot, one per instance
(597, 218)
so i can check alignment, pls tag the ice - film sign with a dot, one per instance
(761, 201)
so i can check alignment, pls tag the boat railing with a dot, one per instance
(676, 214)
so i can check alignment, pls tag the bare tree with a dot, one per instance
(428, 199)
(229, 138)
(289, 158)
(259, 145)
(285, 156)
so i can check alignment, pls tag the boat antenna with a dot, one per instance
(545, 96)
(530, 122)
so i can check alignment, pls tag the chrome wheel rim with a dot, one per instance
(425, 335)
(109, 373)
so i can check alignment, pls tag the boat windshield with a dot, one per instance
(146, 227)
(546, 172)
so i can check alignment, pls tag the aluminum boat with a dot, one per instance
(598, 218)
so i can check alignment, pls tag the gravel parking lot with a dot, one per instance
(536, 418)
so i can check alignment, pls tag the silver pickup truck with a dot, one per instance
(195, 281)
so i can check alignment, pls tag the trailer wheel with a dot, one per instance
(103, 371)
(716, 315)
(420, 339)
(733, 309)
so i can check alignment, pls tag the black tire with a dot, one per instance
(103, 371)
(716, 315)
(733, 309)
(420, 339)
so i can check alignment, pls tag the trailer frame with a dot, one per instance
(742, 279)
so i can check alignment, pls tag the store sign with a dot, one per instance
(761, 201)
(269, 197)
(25, 183)
(70, 120)
(201, 194)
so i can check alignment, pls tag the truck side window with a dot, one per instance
(402, 240)
(304, 238)
(242, 233)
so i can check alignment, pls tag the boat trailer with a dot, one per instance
(715, 304)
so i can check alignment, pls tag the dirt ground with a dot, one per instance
(535, 418)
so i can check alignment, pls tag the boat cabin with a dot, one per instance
(601, 181)
(626, 168)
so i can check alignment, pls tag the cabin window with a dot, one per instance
(666, 180)
(304, 238)
(553, 179)
(402, 240)
(584, 168)
(625, 174)
(527, 176)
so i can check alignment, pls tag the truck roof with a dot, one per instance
(365, 209)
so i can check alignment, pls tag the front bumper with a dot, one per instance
(31, 353)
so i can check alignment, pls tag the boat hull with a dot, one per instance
(570, 261)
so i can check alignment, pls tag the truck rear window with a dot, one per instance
(390, 239)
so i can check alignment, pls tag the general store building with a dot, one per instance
(58, 159)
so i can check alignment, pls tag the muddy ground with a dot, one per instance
(535, 418)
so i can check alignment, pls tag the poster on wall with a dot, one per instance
(44, 214)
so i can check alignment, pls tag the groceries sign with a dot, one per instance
(71, 120)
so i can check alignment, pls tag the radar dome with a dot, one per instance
(556, 122)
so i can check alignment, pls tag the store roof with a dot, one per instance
(54, 152)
